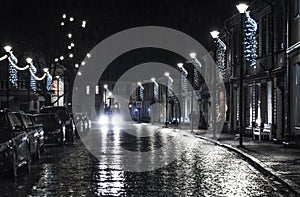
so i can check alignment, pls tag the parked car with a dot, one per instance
(66, 118)
(14, 144)
(54, 129)
(32, 134)
(39, 128)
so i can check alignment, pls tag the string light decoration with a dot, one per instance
(13, 73)
(250, 43)
(49, 81)
(32, 79)
(221, 57)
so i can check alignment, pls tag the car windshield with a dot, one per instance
(49, 121)
(4, 129)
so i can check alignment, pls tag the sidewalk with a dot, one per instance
(271, 158)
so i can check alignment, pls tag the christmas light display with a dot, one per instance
(250, 43)
(13, 73)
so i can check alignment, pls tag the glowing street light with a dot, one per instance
(71, 55)
(61, 58)
(7, 48)
(83, 63)
(64, 16)
(193, 55)
(69, 35)
(76, 65)
(29, 60)
(62, 24)
(83, 24)
(88, 55)
(242, 8)
(214, 34)
(56, 59)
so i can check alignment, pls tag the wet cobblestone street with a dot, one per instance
(200, 169)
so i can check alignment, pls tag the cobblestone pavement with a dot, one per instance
(200, 169)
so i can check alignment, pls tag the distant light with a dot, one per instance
(69, 35)
(71, 55)
(180, 65)
(69, 47)
(139, 83)
(69, 104)
(45, 69)
(242, 7)
(61, 58)
(83, 24)
(88, 55)
(83, 63)
(97, 89)
(76, 65)
(214, 34)
(149, 110)
(105, 86)
(110, 94)
(29, 60)
(79, 73)
(62, 24)
(116, 105)
(57, 76)
(88, 90)
(167, 74)
(64, 16)
(130, 105)
(71, 19)
(153, 79)
(72, 44)
(193, 55)
(56, 59)
(7, 48)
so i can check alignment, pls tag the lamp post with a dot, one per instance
(105, 90)
(167, 74)
(184, 74)
(7, 50)
(193, 56)
(58, 90)
(29, 61)
(215, 36)
(242, 8)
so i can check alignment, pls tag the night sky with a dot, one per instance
(33, 27)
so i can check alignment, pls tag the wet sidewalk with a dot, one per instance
(269, 157)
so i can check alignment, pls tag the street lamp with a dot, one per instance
(167, 74)
(7, 50)
(58, 90)
(105, 90)
(242, 8)
(215, 35)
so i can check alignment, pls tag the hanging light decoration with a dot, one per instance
(250, 43)
(13, 73)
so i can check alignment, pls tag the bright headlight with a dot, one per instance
(103, 120)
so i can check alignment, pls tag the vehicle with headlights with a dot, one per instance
(14, 144)
(54, 129)
(65, 116)
(32, 134)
